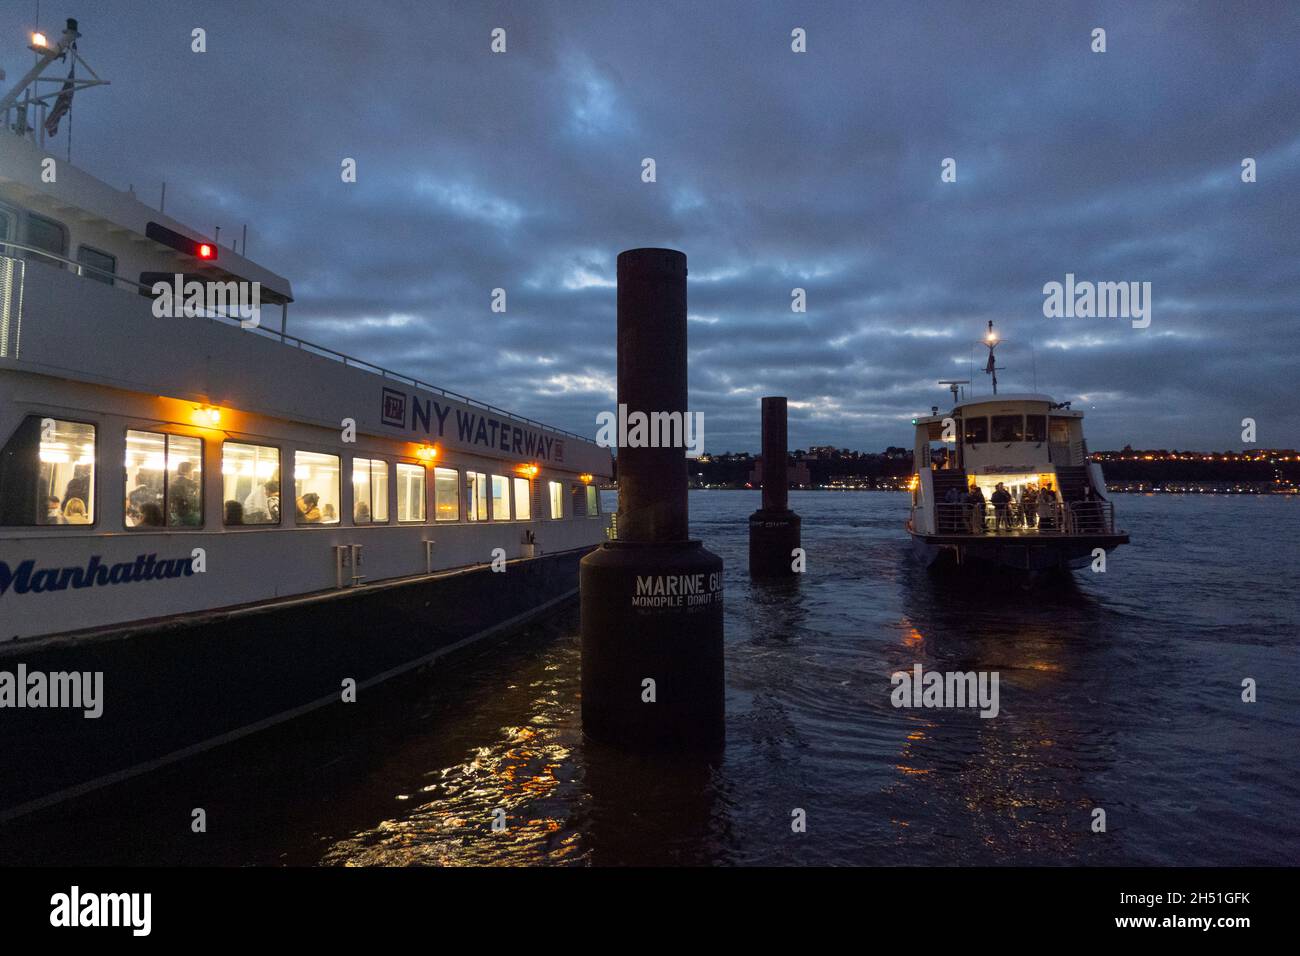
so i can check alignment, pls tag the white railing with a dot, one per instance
(1071, 518)
(12, 272)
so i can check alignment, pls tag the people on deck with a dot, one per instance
(949, 515)
(976, 505)
(1001, 499)
(1029, 504)
(1047, 509)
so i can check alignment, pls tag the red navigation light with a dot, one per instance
(206, 251)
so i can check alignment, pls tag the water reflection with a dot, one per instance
(1003, 785)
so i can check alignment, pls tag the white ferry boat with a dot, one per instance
(1005, 481)
(227, 522)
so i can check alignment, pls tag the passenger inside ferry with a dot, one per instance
(78, 487)
(75, 511)
(308, 508)
(183, 496)
(234, 512)
(361, 513)
(262, 506)
(53, 513)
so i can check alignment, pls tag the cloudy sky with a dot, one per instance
(775, 170)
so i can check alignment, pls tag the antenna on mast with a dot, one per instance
(954, 385)
(991, 369)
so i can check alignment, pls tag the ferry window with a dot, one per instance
(410, 492)
(101, 266)
(500, 499)
(523, 499)
(163, 480)
(446, 494)
(579, 501)
(1008, 428)
(47, 474)
(250, 484)
(48, 235)
(555, 491)
(476, 496)
(369, 491)
(977, 430)
(1036, 428)
(593, 500)
(316, 488)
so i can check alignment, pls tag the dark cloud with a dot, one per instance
(775, 170)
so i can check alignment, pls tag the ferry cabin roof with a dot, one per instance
(1016, 435)
(83, 218)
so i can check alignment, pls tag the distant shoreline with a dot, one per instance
(1115, 491)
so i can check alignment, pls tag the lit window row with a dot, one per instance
(47, 477)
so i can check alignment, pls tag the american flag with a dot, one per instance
(61, 106)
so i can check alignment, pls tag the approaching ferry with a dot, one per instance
(1005, 480)
(222, 524)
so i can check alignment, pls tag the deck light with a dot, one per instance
(585, 479)
(426, 453)
(205, 251)
(38, 40)
(207, 415)
(529, 470)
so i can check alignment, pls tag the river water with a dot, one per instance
(1119, 691)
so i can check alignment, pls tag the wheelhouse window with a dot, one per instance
(100, 265)
(555, 492)
(1008, 428)
(250, 484)
(163, 480)
(593, 500)
(500, 499)
(476, 496)
(316, 488)
(977, 430)
(369, 491)
(446, 494)
(410, 492)
(48, 235)
(1036, 428)
(523, 499)
(47, 474)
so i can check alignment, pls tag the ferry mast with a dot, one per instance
(61, 96)
(991, 369)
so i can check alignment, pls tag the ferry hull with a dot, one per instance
(175, 687)
(1030, 554)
